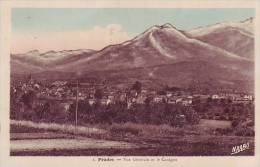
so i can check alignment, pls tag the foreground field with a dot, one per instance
(125, 139)
(66, 143)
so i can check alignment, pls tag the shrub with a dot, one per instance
(245, 132)
(124, 130)
(235, 123)
(224, 131)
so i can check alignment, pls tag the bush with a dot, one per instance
(235, 123)
(124, 130)
(245, 132)
(221, 131)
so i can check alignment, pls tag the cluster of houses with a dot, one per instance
(234, 97)
(66, 93)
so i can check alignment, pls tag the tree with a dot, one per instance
(137, 87)
(84, 111)
(28, 99)
(222, 101)
(98, 94)
(147, 102)
(43, 110)
(209, 100)
(162, 92)
(226, 110)
(192, 116)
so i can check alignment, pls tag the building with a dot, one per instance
(91, 101)
(215, 96)
(105, 101)
(248, 97)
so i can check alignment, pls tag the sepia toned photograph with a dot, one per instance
(129, 83)
(132, 82)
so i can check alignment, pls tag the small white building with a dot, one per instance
(248, 97)
(215, 96)
(105, 101)
(91, 101)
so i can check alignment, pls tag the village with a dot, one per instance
(64, 94)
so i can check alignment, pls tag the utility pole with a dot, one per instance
(76, 112)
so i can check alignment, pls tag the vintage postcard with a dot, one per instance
(129, 83)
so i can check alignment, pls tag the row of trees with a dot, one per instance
(174, 115)
(224, 110)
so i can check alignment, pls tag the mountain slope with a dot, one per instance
(51, 58)
(158, 45)
(186, 74)
(18, 67)
(234, 37)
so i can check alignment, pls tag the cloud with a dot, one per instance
(95, 38)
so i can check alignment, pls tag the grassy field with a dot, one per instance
(66, 128)
(151, 140)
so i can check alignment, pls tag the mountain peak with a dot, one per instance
(164, 26)
(167, 25)
(167, 29)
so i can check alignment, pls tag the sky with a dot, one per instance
(47, 29)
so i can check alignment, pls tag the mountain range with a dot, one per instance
(220, 55)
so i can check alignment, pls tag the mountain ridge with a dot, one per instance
(161, 47)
